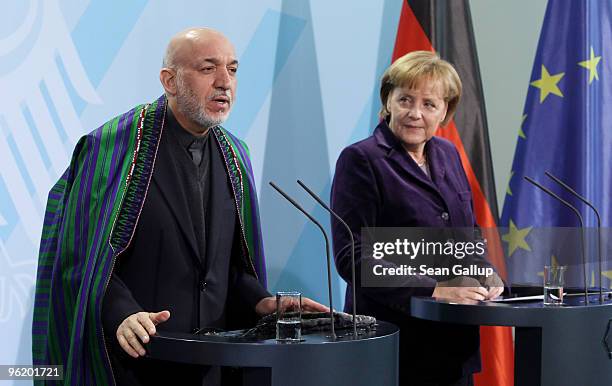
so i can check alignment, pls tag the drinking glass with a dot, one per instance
(289, 316)
(554, 279)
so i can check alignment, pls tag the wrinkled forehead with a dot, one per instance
(214, 48)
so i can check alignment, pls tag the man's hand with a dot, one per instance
(137, 328)
(268, 305)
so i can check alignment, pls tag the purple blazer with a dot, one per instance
(377, 184)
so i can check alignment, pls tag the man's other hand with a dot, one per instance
(137, 328)
(268, 305)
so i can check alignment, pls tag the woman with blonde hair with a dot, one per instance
(405, 176)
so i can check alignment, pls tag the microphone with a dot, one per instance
(329, 286)
(590, 205)
(530, 180)
(324, 205)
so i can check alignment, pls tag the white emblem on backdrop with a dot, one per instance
(39, 44)
(33, 153)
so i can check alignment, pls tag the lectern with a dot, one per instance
(371, 359)
(566, 345)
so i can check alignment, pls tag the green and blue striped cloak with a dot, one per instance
(91, 216)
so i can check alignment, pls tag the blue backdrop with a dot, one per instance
(307, 87)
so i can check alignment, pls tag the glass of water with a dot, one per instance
(554, 279)
(289, 316)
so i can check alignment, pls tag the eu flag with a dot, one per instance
(566, 130)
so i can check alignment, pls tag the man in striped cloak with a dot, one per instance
(154, 225)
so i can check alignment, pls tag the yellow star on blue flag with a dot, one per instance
(591, 65)
(521, 132)
(548, 84)
(516, 238)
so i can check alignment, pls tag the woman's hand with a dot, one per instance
(461, 293)
(461, 289)
(495, 285)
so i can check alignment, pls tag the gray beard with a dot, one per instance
(187, 104)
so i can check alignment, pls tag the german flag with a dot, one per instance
(446, 28)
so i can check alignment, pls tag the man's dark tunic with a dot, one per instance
(185, 256)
